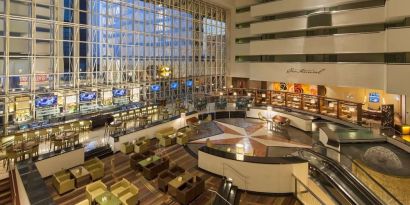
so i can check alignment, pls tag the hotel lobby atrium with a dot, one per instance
(204, 102)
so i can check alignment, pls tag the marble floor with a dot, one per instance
(255, 137)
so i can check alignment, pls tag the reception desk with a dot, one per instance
(297, 120)
(257, 174)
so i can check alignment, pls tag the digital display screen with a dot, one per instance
(374, 97)
(189, 83)
(46, 101)
(88, 96)
(119, 92)
(155, 88)
(174, 85)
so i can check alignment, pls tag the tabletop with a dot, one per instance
(146, 162)
(176, 183)
(77, 173)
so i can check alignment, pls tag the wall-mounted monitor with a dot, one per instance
(155, 88)
(119, 92)
(174, 85)
(87, 96)
(374, 97)
(189, 83)
(46, 101)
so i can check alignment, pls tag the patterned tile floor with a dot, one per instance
(255, 137)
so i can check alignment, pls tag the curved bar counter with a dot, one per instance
(257, 174)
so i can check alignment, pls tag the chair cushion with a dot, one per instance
(97, 192)
(118, 190)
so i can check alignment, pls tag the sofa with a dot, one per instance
(95, 167)
(62, 182)
(152, 170)
(164, 132)
(94, 190)
(190, 190)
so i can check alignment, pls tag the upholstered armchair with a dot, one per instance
(95, 189)
(130, 195)
(62, 182)
(165, 141)
(83, 202)
(127, 147)
(141, 147)
(134, 159)
(163, 180)
(119, 187)
(182, 139)
(96, 169)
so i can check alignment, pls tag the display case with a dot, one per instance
(328, 107)
(310, 103)
(262, 97)
(348, 111)
(293, 100)
(278, 99)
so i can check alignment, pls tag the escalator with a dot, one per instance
(228, 194)
(339, 183)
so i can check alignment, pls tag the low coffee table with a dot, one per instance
(81, 175)
(180, 180)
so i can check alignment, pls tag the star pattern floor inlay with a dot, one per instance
(253, 135)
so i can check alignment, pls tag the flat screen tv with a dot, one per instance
(189, 83)
(119, 92)
(155, 87)
(46, 101)
(374, 97)
(88, 96)
(174, 85)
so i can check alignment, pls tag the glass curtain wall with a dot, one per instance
(68, 49)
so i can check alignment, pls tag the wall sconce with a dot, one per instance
(234, 93)
(312, 101)
(352, 109)
(331, 105)
(249, 94)
(221, 93)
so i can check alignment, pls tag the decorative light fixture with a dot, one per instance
(165, 71)
(352, 109)
(249, 94)
(234, 93)
(240, 148)
(331, 105)
(312, 101)
(221, 93)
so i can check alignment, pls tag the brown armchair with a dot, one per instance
(190, 190)
(163, 180)
(152, 170)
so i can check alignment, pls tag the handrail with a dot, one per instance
(361, 169)
(307, 188)
(243, 177)
(215, 192)
(14, 185)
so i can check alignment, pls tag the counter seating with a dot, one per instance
(62, 182)
(95, 189)
(190, 190)
(127, 147)
(95, 167)
(137, 157)
(152, 170)
(167, 176)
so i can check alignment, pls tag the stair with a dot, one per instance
(5, 192)
(229, 192)
(100, 152)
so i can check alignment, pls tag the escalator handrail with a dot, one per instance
(360, 167)
(307, 188)
(354, 182)
(353, 179)
(345, 195)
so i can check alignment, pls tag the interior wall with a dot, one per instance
(361, 95)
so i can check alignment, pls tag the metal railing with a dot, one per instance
(306, 193)
(243, 177)
(371, 184)
(220, 196)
